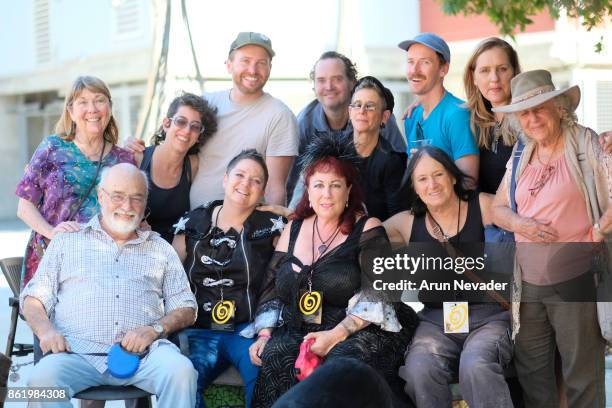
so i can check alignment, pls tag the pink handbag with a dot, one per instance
(307, 361)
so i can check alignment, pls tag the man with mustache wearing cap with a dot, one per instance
(440, 116)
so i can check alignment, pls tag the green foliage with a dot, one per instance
(224, 396)
(509, 15)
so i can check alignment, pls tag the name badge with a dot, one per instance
(311, 306)
(223, 315)
(456, 317)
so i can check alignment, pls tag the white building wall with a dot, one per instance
(113, 39)
(79, 32)
(45, 45)
(50, 42)
(12, 153)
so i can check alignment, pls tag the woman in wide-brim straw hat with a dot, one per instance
(557, 202)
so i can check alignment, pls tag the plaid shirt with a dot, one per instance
(95, 291)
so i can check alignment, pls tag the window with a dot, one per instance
(127, 19)
(604, 105)
(42, 36)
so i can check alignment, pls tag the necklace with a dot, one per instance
(496, 133)
(437, 229)
(546, 173)
(325, 243)
(552, 153)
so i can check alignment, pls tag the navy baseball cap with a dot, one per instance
(430, 40)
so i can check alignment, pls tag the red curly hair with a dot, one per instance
(342, 168)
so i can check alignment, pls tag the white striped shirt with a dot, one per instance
(95, 291)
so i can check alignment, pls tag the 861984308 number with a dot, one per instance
(33, 394)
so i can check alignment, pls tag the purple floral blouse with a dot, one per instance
(56, 179)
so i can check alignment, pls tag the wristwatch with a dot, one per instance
(159, 329)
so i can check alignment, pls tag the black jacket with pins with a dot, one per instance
(242, 272)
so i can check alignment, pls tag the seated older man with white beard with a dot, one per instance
(107, 283)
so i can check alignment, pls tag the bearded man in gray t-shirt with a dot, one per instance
(247, 118)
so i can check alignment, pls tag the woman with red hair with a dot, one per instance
(316, 278)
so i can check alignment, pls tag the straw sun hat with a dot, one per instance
(533, 88)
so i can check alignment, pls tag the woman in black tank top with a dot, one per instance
(448, 220)
(190, 121)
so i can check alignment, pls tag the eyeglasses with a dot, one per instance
(182, 122)
(119, 198)
(99, 102)
(369, 107)
(419, 131)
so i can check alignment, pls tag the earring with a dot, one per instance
(73, 128)
(346, 205)
(309, 204)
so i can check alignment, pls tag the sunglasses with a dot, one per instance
(419, 131)
(182, 122)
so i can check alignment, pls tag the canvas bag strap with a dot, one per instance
(516, 158)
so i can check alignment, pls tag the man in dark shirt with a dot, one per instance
(333, 76)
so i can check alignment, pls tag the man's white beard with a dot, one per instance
(119, 226)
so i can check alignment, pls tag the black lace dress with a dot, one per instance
(337, 274)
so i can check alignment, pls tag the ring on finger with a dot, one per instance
(541, 234)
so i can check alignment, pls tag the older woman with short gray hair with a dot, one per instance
(562, 197)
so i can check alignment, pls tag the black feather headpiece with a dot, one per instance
(329, 145)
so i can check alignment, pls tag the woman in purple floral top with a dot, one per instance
(64, 165)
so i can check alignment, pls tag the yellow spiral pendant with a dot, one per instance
(310, 302)
(457, 317)
(223, 311)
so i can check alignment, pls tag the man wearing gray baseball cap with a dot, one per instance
(247, 118)
(440, 118)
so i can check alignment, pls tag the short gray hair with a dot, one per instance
(368, 83)
(106, 170)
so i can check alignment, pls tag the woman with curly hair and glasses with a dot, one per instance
(171, 160)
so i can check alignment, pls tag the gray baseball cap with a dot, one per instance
(251, 38)
(430, 40)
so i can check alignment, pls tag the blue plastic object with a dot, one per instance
(122, 363)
